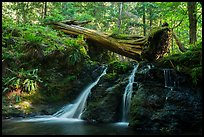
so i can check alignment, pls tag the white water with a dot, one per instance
(128, 95)
(75, 110)
(168, 82)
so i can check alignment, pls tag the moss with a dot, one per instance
(196, 74)
(60, 60)
(69, 78)
(119, 36)
(119, 67)
(189, 62)
(158, 44)
(110, 76)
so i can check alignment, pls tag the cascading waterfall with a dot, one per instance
(128, 95)
(168, 81)
(75, 110)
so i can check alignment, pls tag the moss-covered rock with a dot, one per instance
(188, 63)
(119, 67)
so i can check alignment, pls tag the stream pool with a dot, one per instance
(62, 126)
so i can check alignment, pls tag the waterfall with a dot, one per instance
(168, 80)
(75, 110)
(128, 94)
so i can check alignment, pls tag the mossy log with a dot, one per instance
(138, 48)
(102, 39)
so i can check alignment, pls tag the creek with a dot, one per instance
(67, 121)
(63, 126)
(154, 93)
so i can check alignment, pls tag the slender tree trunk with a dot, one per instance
(150, 19)
(144, 18)
(172, 40)
(172, 45)
(192, 21)
(120, 16)
(45, 9)
(42, 10)
(160, 20)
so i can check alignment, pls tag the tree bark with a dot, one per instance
(120, 16)
(103, 40)
(181, 47)
(150, 18)
(192, 21)
(138, 48)
(144, 18)
(45, 10)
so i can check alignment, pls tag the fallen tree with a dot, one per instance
(138, 48)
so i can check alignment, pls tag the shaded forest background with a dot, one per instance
(137, 18)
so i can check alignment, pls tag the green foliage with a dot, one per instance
(119, 67)
(25, 80)
(110, 76)
(78, 51)
(75, 56)
(29, 85)
(55, 17)
(83, 16)
(196, 74)
(32, 38)
(105, 15)
(10, 83)
(9, 54)
(189, 62)
(70, 78)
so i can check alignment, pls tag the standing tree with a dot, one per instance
(120, 16)
(144, 18)
(192, 21)
(150, 17)
(45, 9)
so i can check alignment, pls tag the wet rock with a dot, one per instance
(104, 104)
(164, 110)
(105, 101)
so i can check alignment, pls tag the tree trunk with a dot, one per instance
(192, 21)
(136, 47)
(150, 18)
(103, 40)
(45, 10)
(120, 16)
(144, 18)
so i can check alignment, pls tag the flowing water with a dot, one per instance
(128, 95)
(67, 121)
(64, 126)
(168, 80)
(76, 110)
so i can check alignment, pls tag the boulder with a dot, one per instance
(160, 110)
